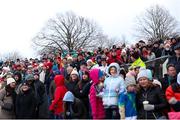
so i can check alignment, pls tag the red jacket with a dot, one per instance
(57, 103)
(170, 93)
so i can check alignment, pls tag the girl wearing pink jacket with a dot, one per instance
(97, 107)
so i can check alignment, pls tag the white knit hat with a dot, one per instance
(74, 72)
(178, 78)
(89, 60)
(10, 80)
(69, 58)
(144, 73)
(130, 81)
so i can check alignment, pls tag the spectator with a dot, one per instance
(150, 55)
(74, 79)
(57, 104)
(18, 79)
(83, 67)
(26, 102)
(7, 100)
(173, 95)
(152, 95)
(127, 100)
(169, 78)
(104, 64)
(81, 92)
(156, 49)
(90, 64)
(175, 59)
(137, 62)
(73, 107)
(94, 95)
(167, 50)
(113, 87)
(41, 98)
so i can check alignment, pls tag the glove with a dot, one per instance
(122, 112)
(173, 101)
(148, 107)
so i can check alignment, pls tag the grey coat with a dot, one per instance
(6, 101)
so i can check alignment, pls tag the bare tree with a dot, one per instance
(156, 23)
(112, 41)
(68, 31)
(12, 56)
(123, 41)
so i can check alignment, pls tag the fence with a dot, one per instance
(156, 64)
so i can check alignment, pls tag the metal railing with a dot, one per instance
(155, 63)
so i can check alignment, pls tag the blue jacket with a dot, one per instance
(128, 101)
(113, 86)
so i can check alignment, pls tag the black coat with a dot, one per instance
(42, 99)
(165, 82)
(156, 97)
(157, 52)
(176, 61)
(26, 105)
(70, 85)
(82, 93)
(77, 110)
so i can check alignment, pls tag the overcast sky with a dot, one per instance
(21, 20)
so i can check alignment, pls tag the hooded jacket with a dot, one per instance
(96, 102)
(77, 109)
(113, 86)
(57, 103)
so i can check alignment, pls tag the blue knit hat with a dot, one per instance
(68, 97)
(145, 73)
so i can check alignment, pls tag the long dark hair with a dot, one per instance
(80, 83)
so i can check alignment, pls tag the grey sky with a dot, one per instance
(22, 19)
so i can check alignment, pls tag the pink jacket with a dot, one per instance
(96, 102)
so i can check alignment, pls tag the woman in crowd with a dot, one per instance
(26, 102)
(7, 100)
(72, 82)
(81, 91)
(150, 99)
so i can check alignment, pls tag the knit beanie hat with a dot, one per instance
(10, 80)
(69, 58)
(130, 81)
(29, 77)
(89, 60)
(145, 73)
(68, 97)
(74, 72)
(149, 72)
(178, 78)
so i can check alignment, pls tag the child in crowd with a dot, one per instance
(127, 100)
